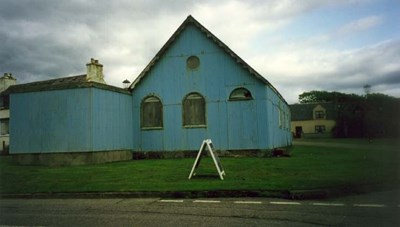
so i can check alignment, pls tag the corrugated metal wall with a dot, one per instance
(73, 120)
(232, 125)
(112, 120)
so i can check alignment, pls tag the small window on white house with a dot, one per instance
(4, 102)
(319, 114)
(151, 113)
(4, 125)
(240, 94)
(194, 111)
(319, 128)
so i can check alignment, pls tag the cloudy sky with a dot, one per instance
(334, 45)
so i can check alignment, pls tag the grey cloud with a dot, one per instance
(49, 38)
(44, 39)
(42, 56)
(376, 65)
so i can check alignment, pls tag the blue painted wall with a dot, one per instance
(232, 125)
(73, 120)
(111, 121)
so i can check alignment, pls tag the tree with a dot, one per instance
(372, 115)
(315, 96)
(326, 96)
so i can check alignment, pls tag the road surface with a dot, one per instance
(375, 209)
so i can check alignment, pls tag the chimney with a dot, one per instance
(95, 71)
(6, 81)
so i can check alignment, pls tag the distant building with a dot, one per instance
(195, 88)
(5, 82)
(313, 120)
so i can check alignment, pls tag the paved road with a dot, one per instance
(377, 209)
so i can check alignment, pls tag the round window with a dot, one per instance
(193, 62)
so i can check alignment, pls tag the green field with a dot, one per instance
(324, 164)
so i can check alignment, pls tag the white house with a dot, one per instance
(6, 81)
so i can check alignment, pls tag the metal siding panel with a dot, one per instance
(111, 130)
(57, 121)
(262, 124)
(97, 115)
(136, 133)
(242, 123)
(127, 120)
(194, 137)
(216, 129)
(17, 143)
(152, 140)
(172, 137)
(80, 108)
(223, 125)
(279, 137)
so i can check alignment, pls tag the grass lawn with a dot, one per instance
(309, 167)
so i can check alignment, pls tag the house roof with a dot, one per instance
(60, 84)
(301, 112)
(191, 21)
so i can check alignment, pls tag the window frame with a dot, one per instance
(4, 126)
(231, 98)
(322, 129)
(184, 124)
(319, 114)
(158, 127)
(193, 62)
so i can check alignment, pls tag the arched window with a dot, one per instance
(194, 110)
(151, 113)
(240, 94)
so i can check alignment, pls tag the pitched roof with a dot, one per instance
(60, 84)
(191, 21)
(301, 112)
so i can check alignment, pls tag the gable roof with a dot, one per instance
(79, 81)
(304, 111)
(191, 21)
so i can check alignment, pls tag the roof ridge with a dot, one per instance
(49, 80)
(71, 82)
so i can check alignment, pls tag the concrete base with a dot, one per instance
(193, 154)
(85, 158)
(72, 158)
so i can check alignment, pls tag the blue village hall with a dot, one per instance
(194, 88)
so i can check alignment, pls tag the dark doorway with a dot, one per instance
(299, 131)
